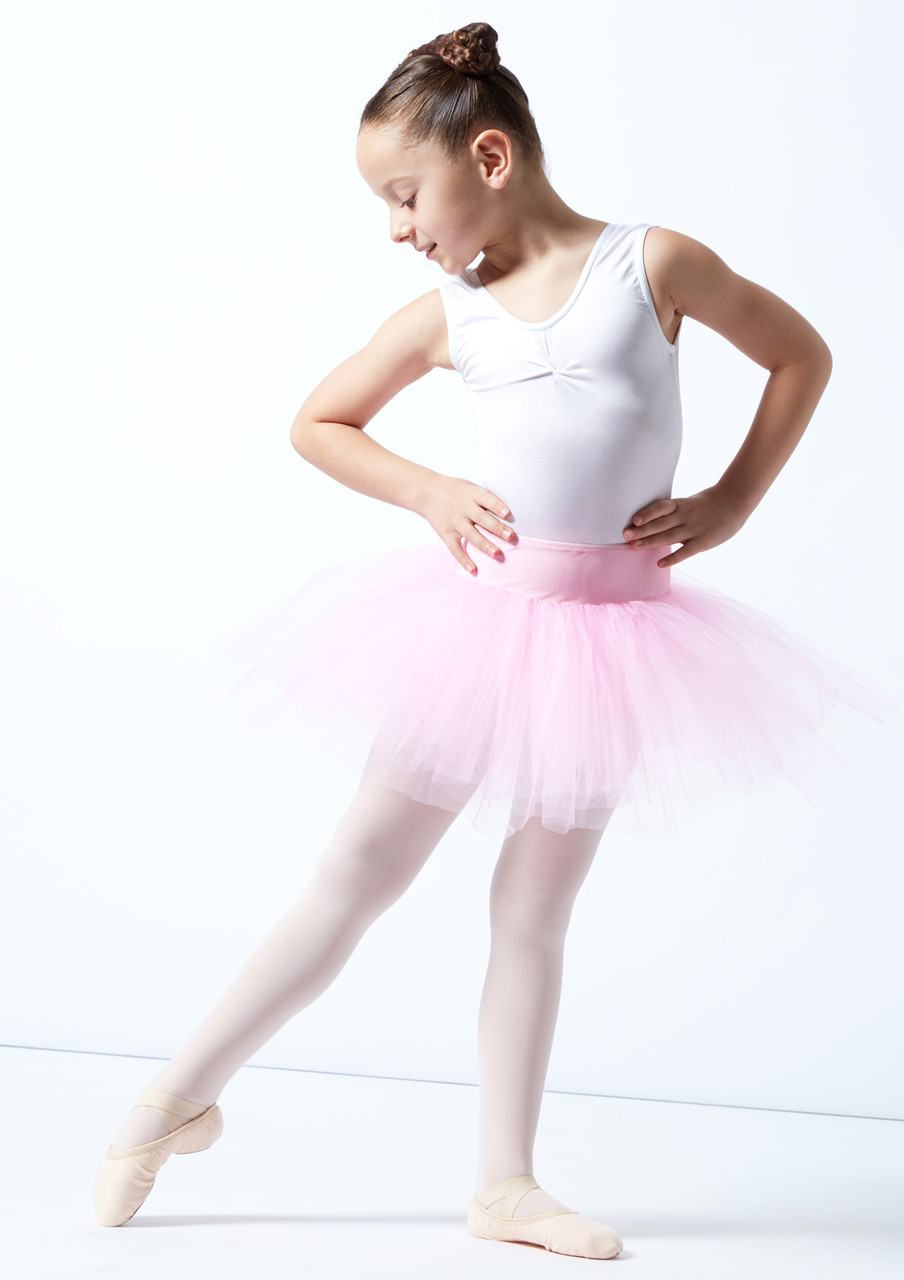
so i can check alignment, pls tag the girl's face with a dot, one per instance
(439, 205)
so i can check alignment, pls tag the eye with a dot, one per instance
(409, 203)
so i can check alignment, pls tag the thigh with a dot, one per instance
(380, 843)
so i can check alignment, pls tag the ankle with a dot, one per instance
(192, 1091)
(532, 1200)
(486, 1182)
(145, 1123)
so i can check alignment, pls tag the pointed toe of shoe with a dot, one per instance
(589, 1239)
(122, 1186)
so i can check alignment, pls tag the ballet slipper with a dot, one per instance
(559, 1230)
(125, 1178)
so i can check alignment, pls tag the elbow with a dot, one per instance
(299, 436)
(815, 360)
(825, 358)
(310, 436)
(825, 366)
(822, 355)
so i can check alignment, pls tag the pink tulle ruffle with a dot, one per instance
(478, 697)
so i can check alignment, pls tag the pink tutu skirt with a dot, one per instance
(563, 681)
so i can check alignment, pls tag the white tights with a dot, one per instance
(379, 846)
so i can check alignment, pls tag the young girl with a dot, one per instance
(541, 677)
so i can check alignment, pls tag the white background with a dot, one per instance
(188, 250)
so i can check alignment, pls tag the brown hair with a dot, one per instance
(448, 90)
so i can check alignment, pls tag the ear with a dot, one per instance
(495, 154)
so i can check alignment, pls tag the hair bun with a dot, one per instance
(471, 49)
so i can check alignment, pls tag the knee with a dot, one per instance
(534, 889)
(374, 855)
(364, 877)
(522, 916)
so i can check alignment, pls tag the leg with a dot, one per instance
(534, 886)
(381, 843)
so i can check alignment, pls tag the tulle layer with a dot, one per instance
(475, 695)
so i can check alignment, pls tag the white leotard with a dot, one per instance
(578, 417)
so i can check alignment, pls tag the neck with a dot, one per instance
(534, 221)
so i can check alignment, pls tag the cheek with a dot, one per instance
(469, 217)
(459, 219)
(455, 207)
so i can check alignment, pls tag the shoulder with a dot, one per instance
(700, 284)
(680, 266)
(691, 274)
(420, 328)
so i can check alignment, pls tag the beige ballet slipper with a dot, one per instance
(125, 1178)
(559, 1230)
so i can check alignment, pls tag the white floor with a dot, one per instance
(346, 1176)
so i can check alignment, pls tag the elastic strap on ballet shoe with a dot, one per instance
(511, 1192)
(170, 1105)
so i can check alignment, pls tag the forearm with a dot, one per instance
(789, 399)
(355, 459)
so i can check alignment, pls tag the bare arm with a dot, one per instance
(774, 335)
(328, 430)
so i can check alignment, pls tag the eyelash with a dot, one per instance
(409, 203)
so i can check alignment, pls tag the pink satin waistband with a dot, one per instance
(581, 572)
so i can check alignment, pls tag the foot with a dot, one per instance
(518, 1211)
(125, 1177)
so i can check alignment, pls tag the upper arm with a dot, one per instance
(404, 348)
(753, 319)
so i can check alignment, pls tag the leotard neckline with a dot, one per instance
(566, 306)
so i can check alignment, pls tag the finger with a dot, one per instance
(476, 538)
(661, 507)
(662, 525)
(497, 527)
(490, 502)
(674, 519)
(671, 519)
(456, 546)
(677, 556)
(666, 537)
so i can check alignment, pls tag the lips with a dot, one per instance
(430, 250)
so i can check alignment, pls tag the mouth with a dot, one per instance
(430, 250)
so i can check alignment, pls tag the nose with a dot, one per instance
(400, 229)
